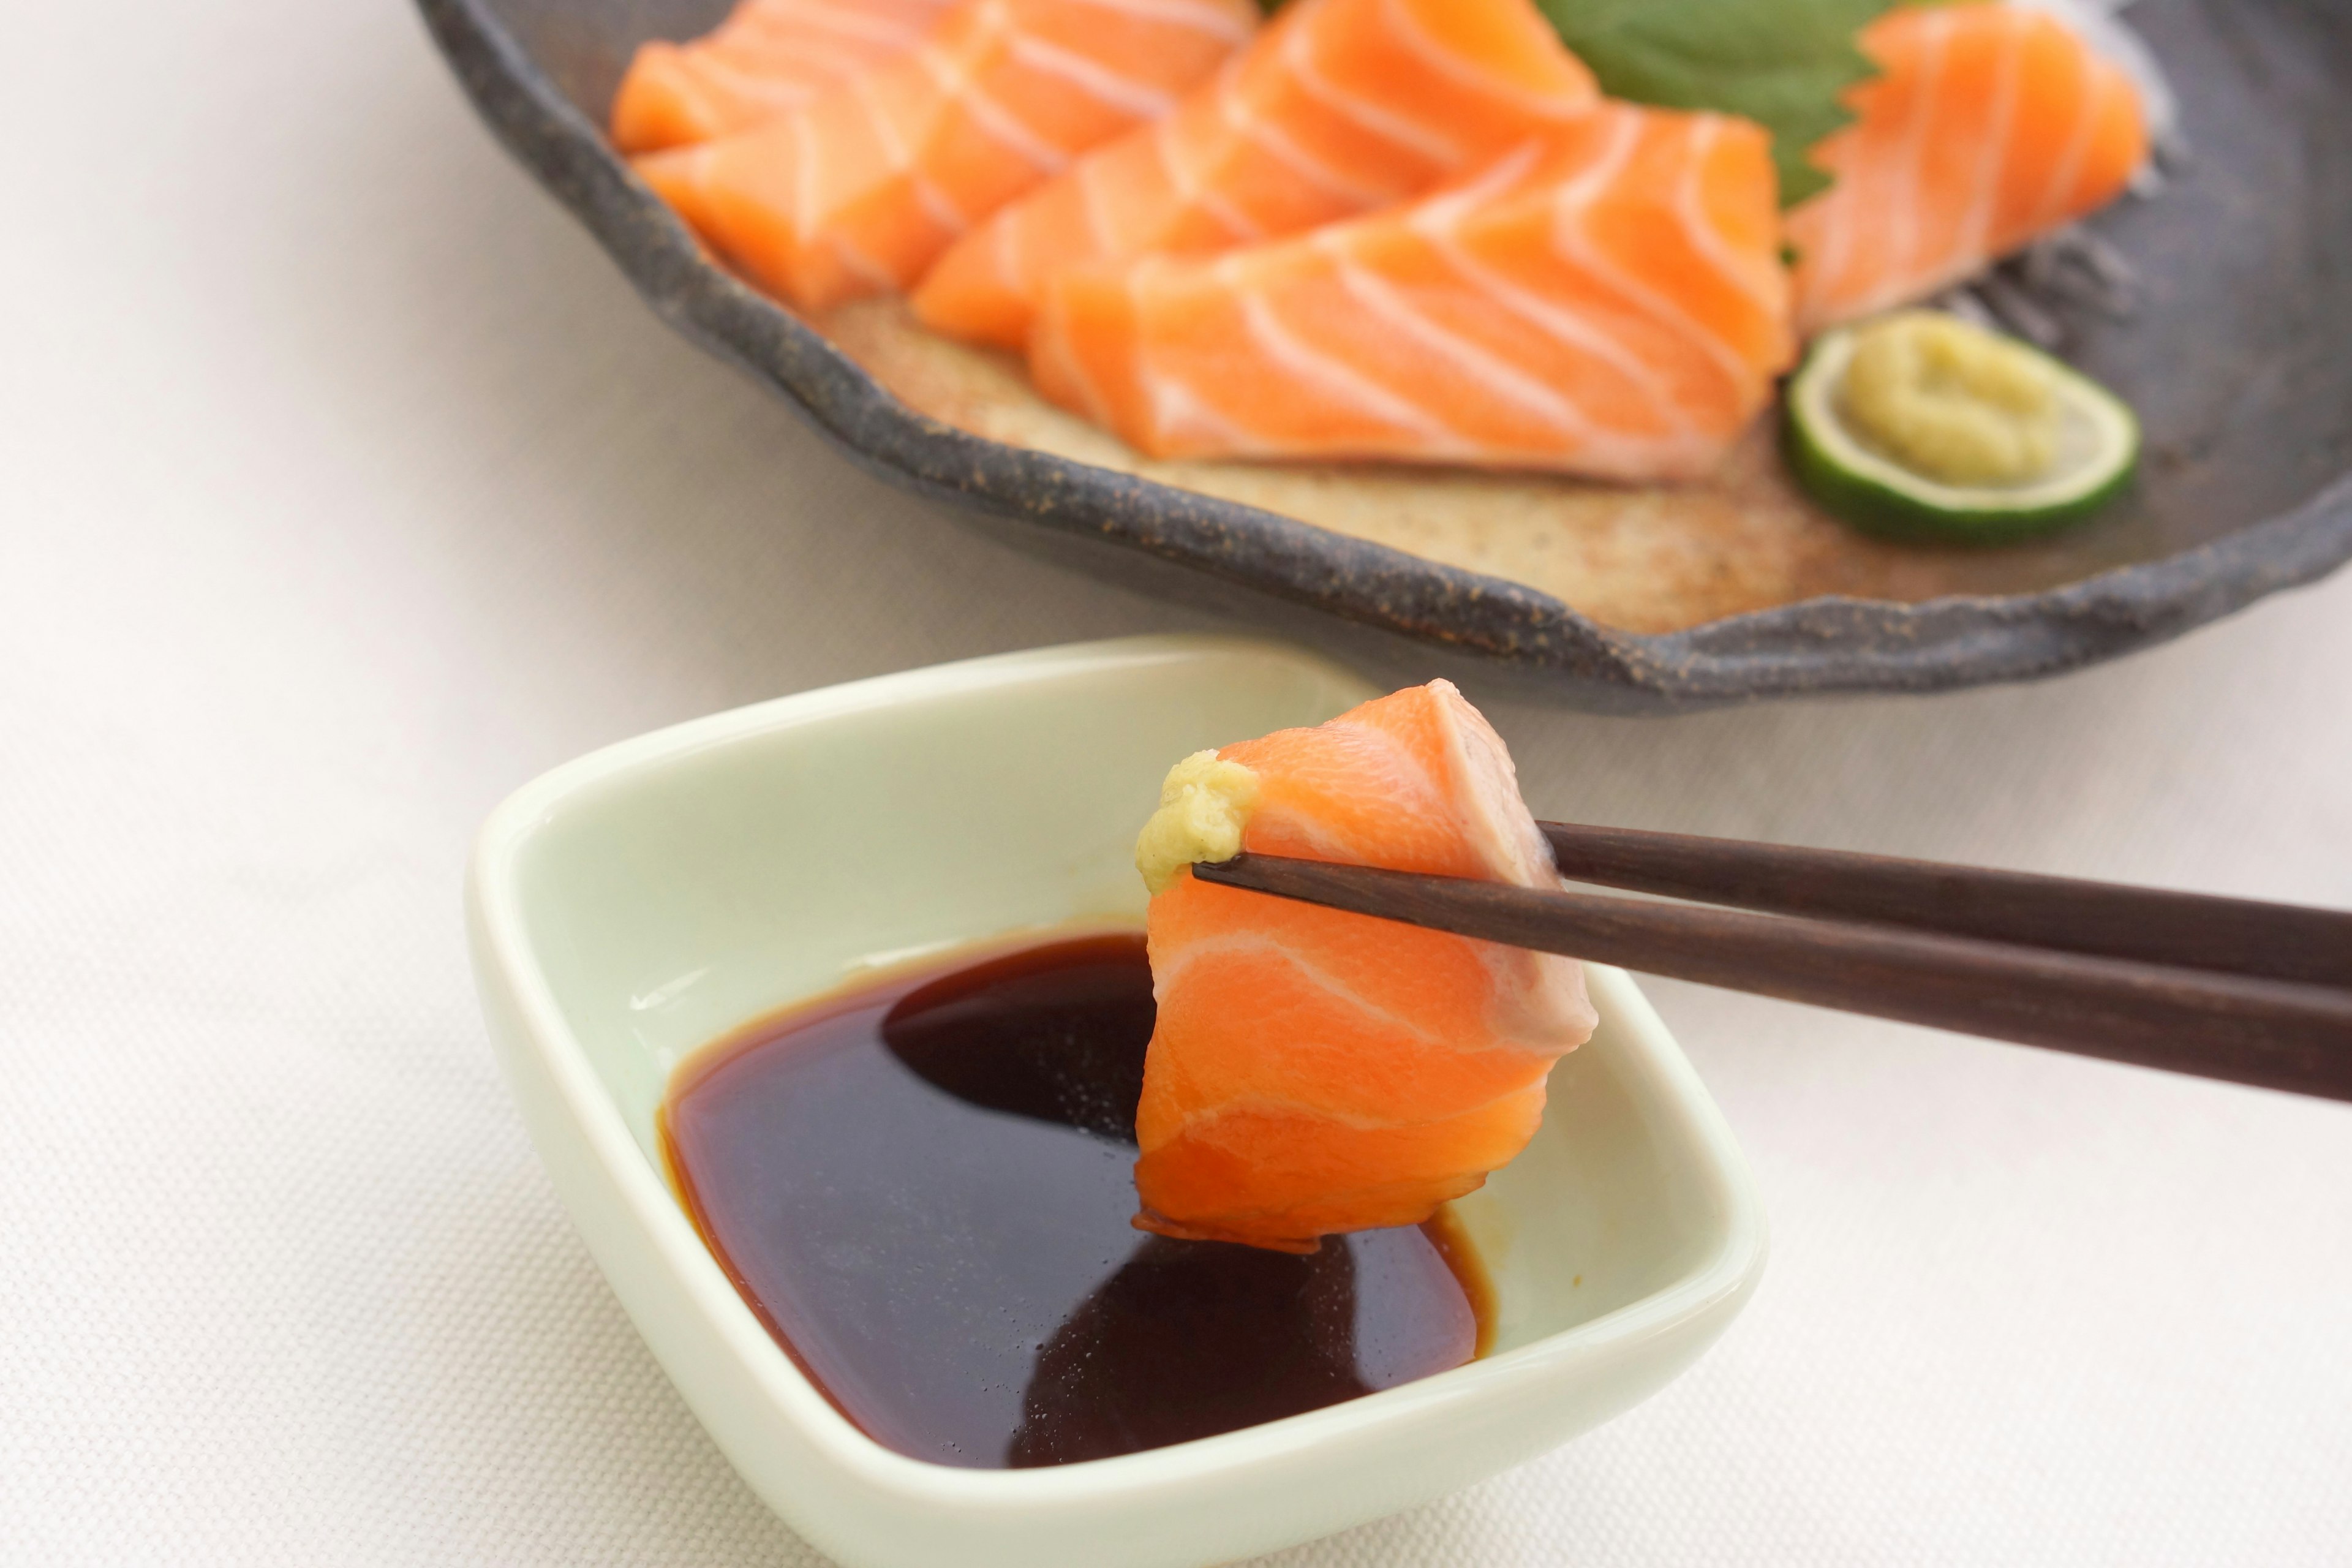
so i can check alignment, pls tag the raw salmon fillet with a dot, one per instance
(768, 56)
(1313, 1071)
(857, 192)
(1607, 300)
(1991, 124)
(1341, 107)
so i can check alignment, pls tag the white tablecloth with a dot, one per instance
(344, 487)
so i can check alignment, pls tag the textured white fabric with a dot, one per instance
(344, 487)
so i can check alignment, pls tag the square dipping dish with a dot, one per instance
(635, 905)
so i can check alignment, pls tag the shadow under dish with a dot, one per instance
(923, 1187)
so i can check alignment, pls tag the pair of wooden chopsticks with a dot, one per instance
(2226, 988)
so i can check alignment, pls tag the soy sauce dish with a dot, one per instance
(826, 1017)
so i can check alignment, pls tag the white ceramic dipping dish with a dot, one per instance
(645, 900)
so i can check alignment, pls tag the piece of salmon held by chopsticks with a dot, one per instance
(1338, 108)
(768, 56)
(859, 190)
(1313, 1071)
(1991, 124)
(1606, 300)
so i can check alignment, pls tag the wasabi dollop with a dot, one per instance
(1204, 805)
(1921, 425)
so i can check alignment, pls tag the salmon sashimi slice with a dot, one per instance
(1607, 300)
(1991, 124)
(1341, 107)
(856, 192)
(1313, 1071)
(770, 56)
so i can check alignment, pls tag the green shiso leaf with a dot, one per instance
(1781, 63)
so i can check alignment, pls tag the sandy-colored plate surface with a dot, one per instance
(1644, 559)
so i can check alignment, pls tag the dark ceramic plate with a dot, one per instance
(2238, 360)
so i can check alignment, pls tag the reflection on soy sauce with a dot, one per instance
(1057, 1034)
(923, 1187)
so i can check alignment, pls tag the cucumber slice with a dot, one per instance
(2098, 445)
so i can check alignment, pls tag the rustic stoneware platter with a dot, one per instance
(2237, 355)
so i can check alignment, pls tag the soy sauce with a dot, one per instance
(923, 1189)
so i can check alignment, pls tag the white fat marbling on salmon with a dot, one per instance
(1396, 124)
(857, 190)
(1312, 1070)
(1138, 98)
(2055, 130)
(1330, 378)
(1572, 242)
(1573, 358)
(1340, 107)
(1217, 22)
(766, 58)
